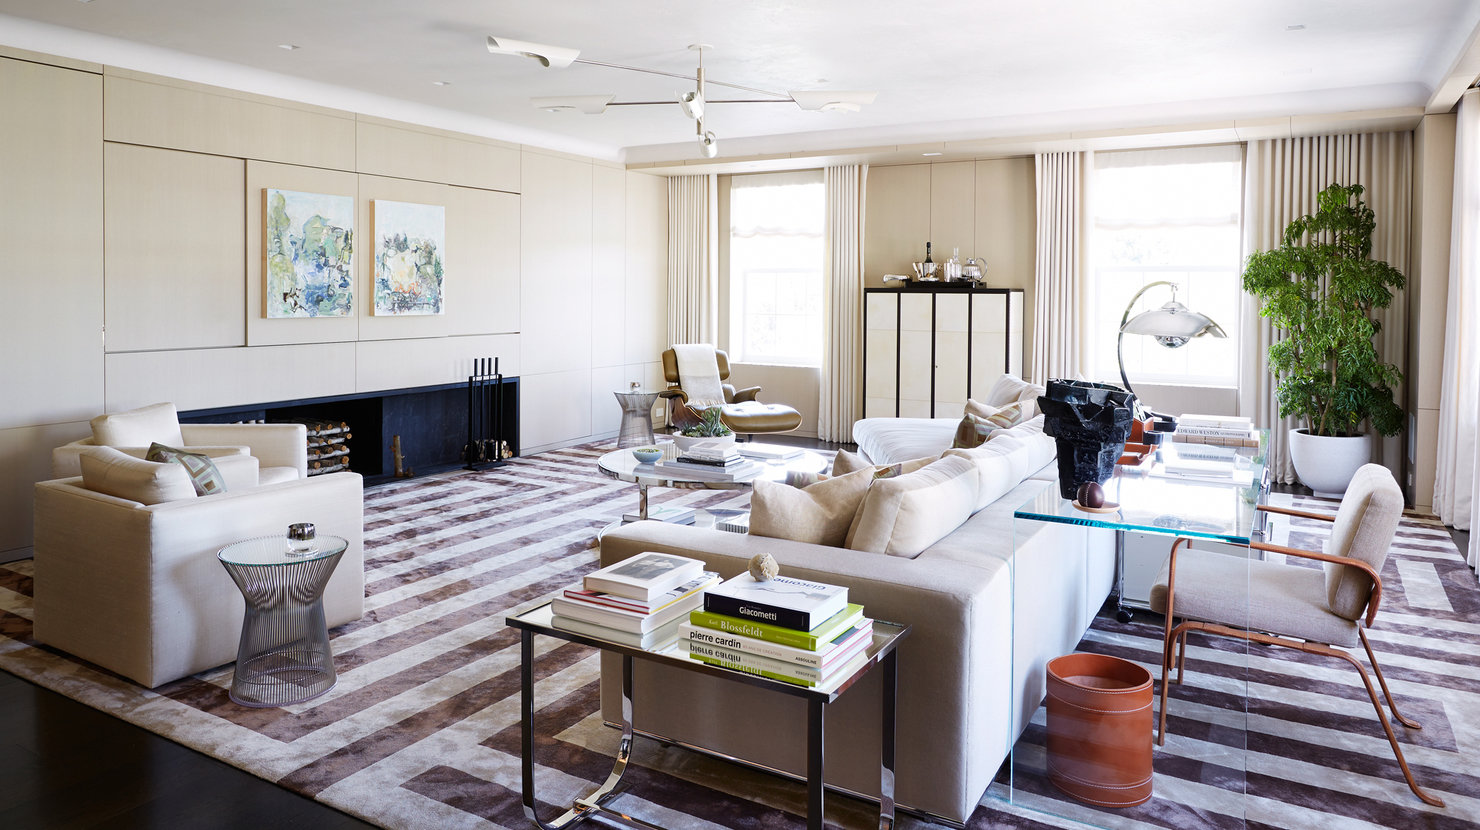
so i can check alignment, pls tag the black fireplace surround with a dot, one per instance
(432, 422)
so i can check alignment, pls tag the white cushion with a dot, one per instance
(106, 470)
(892, 440)
(819, 513)
(904, 515)
(1010, 389)
(157, 423)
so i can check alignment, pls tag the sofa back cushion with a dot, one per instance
(1010, 389)
(847, 462)
(139, 427)
(115, 473)
(1010, 456)
(820, 513)
(904, 515)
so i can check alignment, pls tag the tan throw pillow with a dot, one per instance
(847, 462)
(204, 476)
(819, 514)
(139, 427)
(974, 430)
(1012, 389)
(903, 516)
(979, 409)
(106, 470)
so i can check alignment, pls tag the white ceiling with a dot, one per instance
(943, 69)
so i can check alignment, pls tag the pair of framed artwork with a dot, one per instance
(309, 240)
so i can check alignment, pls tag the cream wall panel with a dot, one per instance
(210, 378)
(606, 413)
(389, 150)
(260, 330)
(402, 364)
(608, 267)
(51, 229)
(1006, 227)
(647, 269)
(195, 118)
(485, 225)
(1426, 465)
(555, 264)
(554, 409)
(173, 242)
(25, 458)
(952, 209)
(897, 224)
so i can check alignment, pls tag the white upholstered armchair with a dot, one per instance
(281, 450)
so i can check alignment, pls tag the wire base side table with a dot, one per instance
(284, 655)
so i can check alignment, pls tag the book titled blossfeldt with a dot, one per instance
(783, 600)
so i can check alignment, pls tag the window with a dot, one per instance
(776, 258)
(1171, 215)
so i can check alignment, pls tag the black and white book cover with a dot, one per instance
(782, 600)
(644, 576)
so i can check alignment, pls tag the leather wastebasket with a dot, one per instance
(1100, 729)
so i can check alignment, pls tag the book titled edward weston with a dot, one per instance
(785, 601)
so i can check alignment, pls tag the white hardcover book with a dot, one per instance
(840, 647)
(657, 637)
(622, 620)
(768, 452)
(644, 576)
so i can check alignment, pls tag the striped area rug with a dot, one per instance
(422, 729)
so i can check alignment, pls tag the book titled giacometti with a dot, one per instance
(785, 601)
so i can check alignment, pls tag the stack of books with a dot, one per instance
(723, 464)
(784, 629)
(637, 601)
(1220, 430)
(769, 452)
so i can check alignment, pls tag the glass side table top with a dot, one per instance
(1155, 502)
(887, 636)
(273, 550)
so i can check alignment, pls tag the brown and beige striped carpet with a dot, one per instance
(422, 730)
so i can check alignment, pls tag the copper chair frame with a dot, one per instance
(1177, 636)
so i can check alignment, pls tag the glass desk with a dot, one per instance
(1208, 740)
(674, 652)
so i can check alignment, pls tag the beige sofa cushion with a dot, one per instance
(1010, 389)
(819, 514)
(106, 470)
(156, 423)
(904, 515)
(847, 462)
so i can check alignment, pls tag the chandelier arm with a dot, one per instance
(781, 97)
(706, 102)
(1125, 318)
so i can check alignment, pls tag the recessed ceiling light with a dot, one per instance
(1295, 27)
(287, 46)
(930, 154)
(441, 83)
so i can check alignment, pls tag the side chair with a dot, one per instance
(1317, 611)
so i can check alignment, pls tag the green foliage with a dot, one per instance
(709, 426)
(1320, 288)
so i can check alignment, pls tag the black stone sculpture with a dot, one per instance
(1091, 422)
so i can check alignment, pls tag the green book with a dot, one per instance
(809, 640)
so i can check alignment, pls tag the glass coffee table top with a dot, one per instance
(622, 465)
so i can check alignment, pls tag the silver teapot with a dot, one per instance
(974, 270)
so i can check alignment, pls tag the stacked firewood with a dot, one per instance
(328, 451)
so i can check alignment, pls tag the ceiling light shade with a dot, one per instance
(588, 104)
(556, 56)
(832, 100)
(708, 145)
(693, 104)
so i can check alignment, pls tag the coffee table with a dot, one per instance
(623, 466)
(674, 652)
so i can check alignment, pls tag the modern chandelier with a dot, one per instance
(692, 103)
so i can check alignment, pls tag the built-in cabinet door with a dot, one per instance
(881, 355)
(916, 342)
(989, 346)
(952, 348)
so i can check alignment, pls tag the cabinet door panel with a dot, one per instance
(915, 312)
(951, 348)
(882, 355)
(914, 366)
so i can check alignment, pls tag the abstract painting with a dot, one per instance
(309, 240)
(410, 243)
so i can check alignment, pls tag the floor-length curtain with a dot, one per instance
(692, 280)
(1459, 395)
(1282, 180)
(1062, 251)
(841, 388)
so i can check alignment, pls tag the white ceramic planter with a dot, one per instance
(683, 443)
(1326, 465)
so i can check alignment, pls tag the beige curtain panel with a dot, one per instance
(1282, 179)
(1058, 316)
(839, 403)
(692, 275)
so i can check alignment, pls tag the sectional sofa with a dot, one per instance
(971, 672)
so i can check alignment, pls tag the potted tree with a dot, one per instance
(1320, 288)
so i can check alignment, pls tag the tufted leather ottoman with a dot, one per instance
(752, 417)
